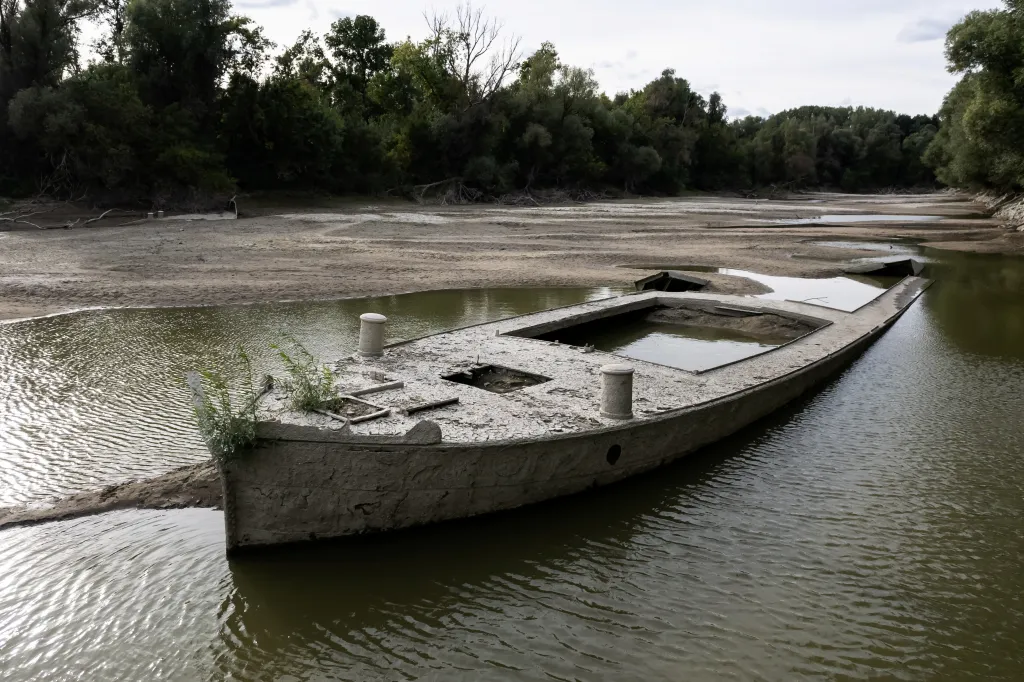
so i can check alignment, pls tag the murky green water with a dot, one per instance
(691, 348)
(96, 397)
(874, 530)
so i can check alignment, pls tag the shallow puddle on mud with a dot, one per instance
(869, 531)
(671, 266)
(886, 250)
(892, 248)
(844, 219)
(841, 293)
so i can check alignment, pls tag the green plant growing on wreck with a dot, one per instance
(310, 385)
(227, 429)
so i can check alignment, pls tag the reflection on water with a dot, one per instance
(978, 301)
(872, 531)
(98, 397)
(690, 348)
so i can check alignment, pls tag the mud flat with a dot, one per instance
(393, 248)
(197, 485)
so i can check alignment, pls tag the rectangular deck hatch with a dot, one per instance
(495, 378)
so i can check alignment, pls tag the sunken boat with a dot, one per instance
(888, 267)
(509, 413)
(670, 280)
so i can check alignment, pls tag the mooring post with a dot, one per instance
(617, 391)
(371, 335)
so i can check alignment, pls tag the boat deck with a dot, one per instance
(569, 402)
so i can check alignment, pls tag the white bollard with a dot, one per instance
(149, 216)
(371, 335)
(160, 214)
(617, 391)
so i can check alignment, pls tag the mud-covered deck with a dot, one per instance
(569, 402)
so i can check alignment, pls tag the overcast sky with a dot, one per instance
(763, 56)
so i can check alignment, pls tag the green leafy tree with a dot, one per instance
(359, 49)
(980, 143)
(95, 124)
(185, 99)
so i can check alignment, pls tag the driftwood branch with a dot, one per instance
(22, 218)
(377, 389)
(332, 415)
(430, 185)
(15, 217)
(367, 417)
(413, 409)
(8, 217)
(457, 192)
(100, 216)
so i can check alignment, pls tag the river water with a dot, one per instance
(875, 529)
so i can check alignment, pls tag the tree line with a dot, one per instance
(188, 96)
(980, 144)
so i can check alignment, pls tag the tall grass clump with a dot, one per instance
(310, 385)
(227, 429)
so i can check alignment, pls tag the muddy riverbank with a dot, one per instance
(890, 497)
(196, 485)
(372, 250)
(393, 248)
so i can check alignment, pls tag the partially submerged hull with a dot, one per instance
(306, 482)
(888, 267)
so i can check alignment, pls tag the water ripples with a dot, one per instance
(873, 530)
(99, 397)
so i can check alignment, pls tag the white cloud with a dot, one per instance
(924, 30)
(761, 56)
(264, 4)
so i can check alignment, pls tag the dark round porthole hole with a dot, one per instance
(614, 452)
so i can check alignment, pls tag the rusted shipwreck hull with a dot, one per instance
(314, 479)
